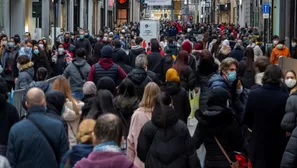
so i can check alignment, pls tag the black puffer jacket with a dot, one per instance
(218, 122)
(202, 82)
(140, 79)
(166, 144)
(289, 121)
(188, 79)
(180, 99)
(155, 64)
(122, 60)
(290, 155)
(133, 53)
(88, 100)
(41, 60)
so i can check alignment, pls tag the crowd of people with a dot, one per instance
(119, 103)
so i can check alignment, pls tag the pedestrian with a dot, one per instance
(9, 116)
(107, 138)
(26, 72)
(8, 63)
(83, 42)
(121, 58)
(257, 50)
(106, 68)
(38, 129)
(108, 84)
(40, 59)
(117, 48)
(140, 75)
(246, 69)
(89, 91)
(126, 102)
(158, 136)
(84, 146)
(77, 73)
(72, 108)
(96, 54)
(102, 104)
(41, 45)
(27, 49)
(290, 156)
(60, 60)
(3, 43)
(224, 51)
(294, 48)
(264, 111)
(139, 118)
(289, 121)
(178, 94)
(172, 47)
(135, 51)
(238, 51)
(279, 51)
(188, 46)
(275, 40)
(55, 101)
(260, 65)
(155, 60)
(186, 73)
(217, 121)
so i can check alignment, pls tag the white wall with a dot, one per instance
(70, 16)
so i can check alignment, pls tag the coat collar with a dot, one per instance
(37, 109)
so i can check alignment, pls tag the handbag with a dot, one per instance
(194, 102)
(241, 160)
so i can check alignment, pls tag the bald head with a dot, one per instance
(35, 97)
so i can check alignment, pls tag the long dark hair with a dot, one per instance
(207, 63)
(181, 61)
(249, 54)
(103, 103)
(127, 88)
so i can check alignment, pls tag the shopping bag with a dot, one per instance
(194, 102)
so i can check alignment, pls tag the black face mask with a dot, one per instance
(66, 40)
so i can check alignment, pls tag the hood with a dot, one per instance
(171, 88)
(138, 75)
(137, 51)
(30, 70)
(43, 85)
(81, 150)
(55, 101)
(225, 50)
(216, 78)
(122, 57)
(164, 117)
(171, 45)
(106, 63)
(79, 62)
(258, 78)
(69, 113)
(136, 47)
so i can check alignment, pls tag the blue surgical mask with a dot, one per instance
(280, 46)
(232, 76)
(61, 50)
(28, 49)
(36, 52)
(10, 44)
(81, 36)
(294, 45)
(239, 91)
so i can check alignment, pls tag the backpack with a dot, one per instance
(168, 62)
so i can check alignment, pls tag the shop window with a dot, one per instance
(122, 16)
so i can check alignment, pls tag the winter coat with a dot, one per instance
(72, 72)
(105, 159)
(180, 99)
(123, 61)
(8, 117)
(223, 53)
(257, 51)
(45, 86)
(294, 52)
(211, 44)
(155, 62)
(237, 53)
(289, 159)
(126, 107)
(173, 48)
(188, 78)
(75, 154)
(116, 52)
(84, 43)
(41, 60)
(59, 66)
(27, 146)
(167, 146)
(70, 48)
(55, 101)
(9, 65)
(25, 77)
(134, 52)
(139, 118)
(276, 53)
(289, 121)
(202, 83)
(246, 76)
(219, 122)
(88, 101)
(263, 114)
(72, 120)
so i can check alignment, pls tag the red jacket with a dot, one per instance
(161, 52)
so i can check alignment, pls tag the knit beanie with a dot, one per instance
(89, 88)
(172, 75)
(85, 130)
(106, 52)
(187, 46)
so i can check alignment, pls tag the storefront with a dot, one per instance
(122, 11)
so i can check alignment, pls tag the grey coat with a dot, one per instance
(289, 121)
(25, 78)
(76, 81)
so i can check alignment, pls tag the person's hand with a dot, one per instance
(196, 89)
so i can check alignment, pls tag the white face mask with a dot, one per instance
(290, 83)
(275, 42)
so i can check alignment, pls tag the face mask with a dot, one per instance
(10, 44)
(61, 50)
(36, 52)
(290, 83)
(40, 45)
(275, 42)
(98, 38)
(28, 49)
(81, 36)
(72, 37)
(231, 76)
(66, 40)
(280, 46)
(19, 66)
(239, 91)
(26, 38)
(104, 38)
(293, 45)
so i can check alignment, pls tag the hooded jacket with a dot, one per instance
(140, 79)
(123, 61)
(289, 121)
(155, 64)
(290, 156)
(84, 43)
(41, 60)
(237, 53)
(60, 65)
(134, 52)
(25, 77)
(75, 154)
(72, 72)
(165, 141)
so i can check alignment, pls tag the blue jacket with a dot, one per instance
(237, 53)
(75, 154)
(217, 81)
(27, 147)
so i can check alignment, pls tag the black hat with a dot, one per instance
(106, 52)
(218, 97)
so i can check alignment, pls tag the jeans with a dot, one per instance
(78, 95)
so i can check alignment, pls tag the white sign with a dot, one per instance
(265, 15)
(157, 2)
(149, 29)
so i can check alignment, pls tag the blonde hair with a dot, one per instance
(61, 84)
(225, 64)
(85, 130)
(150, 96)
